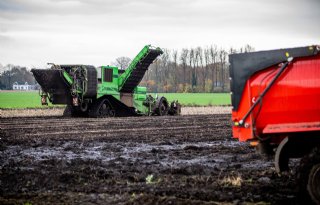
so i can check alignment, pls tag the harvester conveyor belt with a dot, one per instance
(138, 70)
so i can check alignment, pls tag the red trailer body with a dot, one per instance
(291, 105)
(276, 105)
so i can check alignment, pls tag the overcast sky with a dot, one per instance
(34, 32)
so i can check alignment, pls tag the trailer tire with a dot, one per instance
(282, 157)
(308, 177)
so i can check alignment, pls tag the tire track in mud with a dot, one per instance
(137, 160)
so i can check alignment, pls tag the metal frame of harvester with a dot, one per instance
(276, 106)
(105, 91)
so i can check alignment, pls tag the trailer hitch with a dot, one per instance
(241, 123)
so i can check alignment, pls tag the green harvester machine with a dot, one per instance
(105, 91)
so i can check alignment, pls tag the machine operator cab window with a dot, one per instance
(99, 74)
(108, 75)
(105, 74)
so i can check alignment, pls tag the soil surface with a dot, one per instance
(59, 111)
(139, 160)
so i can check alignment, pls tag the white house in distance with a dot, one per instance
(25, 86)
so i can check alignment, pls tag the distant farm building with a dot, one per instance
(25, 86)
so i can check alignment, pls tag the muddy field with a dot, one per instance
(188, 159)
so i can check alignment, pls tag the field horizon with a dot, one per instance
(10, 99)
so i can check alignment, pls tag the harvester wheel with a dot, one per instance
(84, 107)
(162, 107)
(175, 108)
(309, 177)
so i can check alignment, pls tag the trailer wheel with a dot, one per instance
(309, 177)
(314, 183)
(84, 107)
(281, 156)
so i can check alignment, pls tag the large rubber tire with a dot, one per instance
(175, 108)
(163, 107)
(281, 158)
(309, 177)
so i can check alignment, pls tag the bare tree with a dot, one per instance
(175, 70)
(184, 59)
(190, 60)
(122, 62)
(157, 74)
(213, 55)
(232, 50)
(222, 58)
(165, 63)
(202, 71)
(195, 64)
(8, 75)
(1, 68)
(248, 48)
(207, 65)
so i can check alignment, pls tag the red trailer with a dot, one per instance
(276, 106)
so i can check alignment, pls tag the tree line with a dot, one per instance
(199, 69)
(10, 74)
